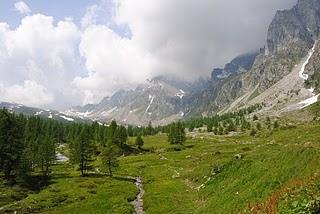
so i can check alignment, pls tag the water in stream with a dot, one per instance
(138, 202)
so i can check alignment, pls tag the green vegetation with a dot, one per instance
(139, 141)
(177, 134)
(238, 164)
(314, 81)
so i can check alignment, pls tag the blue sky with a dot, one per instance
(61, 9)
(56, 8)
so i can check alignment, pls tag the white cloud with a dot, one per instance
(113, 62)
(30, 93)
(188, 38)
(42, 51)
(183, 38)
(22, 8)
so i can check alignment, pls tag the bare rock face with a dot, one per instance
(293, 31)
(158, 100)
(313, 70)
(240, 64)
(291, 36)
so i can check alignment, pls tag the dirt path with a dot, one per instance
(138, 202)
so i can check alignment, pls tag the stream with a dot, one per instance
(138, 202)
(61, 158)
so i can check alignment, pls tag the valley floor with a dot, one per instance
(275, 171)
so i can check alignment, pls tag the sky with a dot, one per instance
(58, 54)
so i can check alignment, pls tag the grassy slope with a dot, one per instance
(69, 193)
(268, 164)
(172, 179)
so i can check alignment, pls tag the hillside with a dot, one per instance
(46, 114)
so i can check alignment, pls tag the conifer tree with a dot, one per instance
(139, 141)
(177, 134)
(209, 127)
(109, 158)
(11, 143)
(82, 150)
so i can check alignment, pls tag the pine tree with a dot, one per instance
(259, 127)
(11, 143)
(46, 155)
(139, 141)
(191, 127)
(220, 130)
(209, 127)
(149, 130)
(82, 150)
(253, 132)
(109, 158)
(268, 122)
(177, 133)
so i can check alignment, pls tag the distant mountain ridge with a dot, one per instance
(31, 111)
(158, 100)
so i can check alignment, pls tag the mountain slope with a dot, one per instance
(277, 76)
(159, 101)
(30, 111)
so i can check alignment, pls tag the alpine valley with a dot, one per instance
(245, 139)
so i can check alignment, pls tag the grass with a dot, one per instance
(254, 94)
(204, 177)
(70, 193)
(268, 164)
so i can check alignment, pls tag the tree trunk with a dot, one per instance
(81, 167)
(110, 170)
(7, 173)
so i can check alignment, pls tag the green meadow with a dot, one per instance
(274, 172)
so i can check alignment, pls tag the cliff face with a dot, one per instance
(275, 71)
(293, 31)
(313, 70)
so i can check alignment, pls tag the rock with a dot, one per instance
(238, 157)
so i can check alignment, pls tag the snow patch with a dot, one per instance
(311, 90)
(309, 101)
(67, 118)
(38, 113)
(180, 94)
(223, 76)
(301, 73)
(110, 111)
(151, 98)
(77, 114)
(304, 76)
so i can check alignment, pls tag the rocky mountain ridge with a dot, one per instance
(31, 111)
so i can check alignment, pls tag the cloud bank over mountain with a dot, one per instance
(120, 43)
